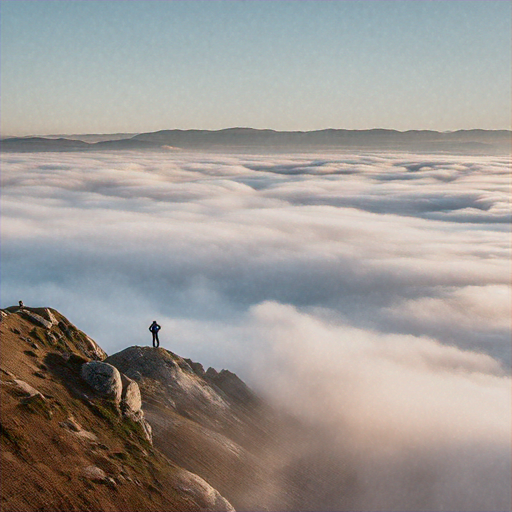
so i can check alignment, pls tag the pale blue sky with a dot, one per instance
(133, 66)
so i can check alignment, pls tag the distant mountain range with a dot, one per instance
(249, 139)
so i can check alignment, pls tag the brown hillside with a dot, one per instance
(211, 443)
(63, 448)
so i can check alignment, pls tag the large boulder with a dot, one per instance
(103, 378)
(130, 397)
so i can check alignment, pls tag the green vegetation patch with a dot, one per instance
(39, 334)
(106, 411)
(124, 427)
(37, 405)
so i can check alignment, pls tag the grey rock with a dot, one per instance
(72, 426)
(93, 350)
(202, 493)
(49, 316)
(197, 368)
(211, 373)
(26, 389)
(36, 319)
(148, 431)
(104, 378)
(94, 473)
(81, 341)
(130, 397)
(139, 418)
(111, 482)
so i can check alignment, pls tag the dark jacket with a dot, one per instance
(154, 327)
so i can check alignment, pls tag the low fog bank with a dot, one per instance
(396, 243)
(398, 422)
(366, 294)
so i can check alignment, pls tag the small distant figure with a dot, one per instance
(21, 304)
(154, 328)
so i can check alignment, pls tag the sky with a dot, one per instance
(367, 293)
(135, 66)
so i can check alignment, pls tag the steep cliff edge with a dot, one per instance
(210, 423)
(144, 430)
(69, 441)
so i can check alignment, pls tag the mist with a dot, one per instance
(394, 422)
(367, 294)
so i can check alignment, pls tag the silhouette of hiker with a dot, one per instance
(154, 328)
(21, 304)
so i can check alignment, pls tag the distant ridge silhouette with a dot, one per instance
(255, 139)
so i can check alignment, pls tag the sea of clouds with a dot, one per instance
(367, 293)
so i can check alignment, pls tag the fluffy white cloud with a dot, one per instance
(370, 293)
(376, 239)
(419, 425)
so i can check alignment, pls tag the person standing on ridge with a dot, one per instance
(154, 328)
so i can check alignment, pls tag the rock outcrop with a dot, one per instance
(159, 372)
(130, 397)
(50, 327)
(38, 319)
(231, 385)
(104, 378)
(203, 493)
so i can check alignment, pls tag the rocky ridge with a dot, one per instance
(144, 430)
(74, 433)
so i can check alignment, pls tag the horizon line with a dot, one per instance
(2, 137)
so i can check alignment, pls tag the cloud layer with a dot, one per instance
(396, 243)
(400, 422)
(372, 290)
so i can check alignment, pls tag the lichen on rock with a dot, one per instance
(104, 379)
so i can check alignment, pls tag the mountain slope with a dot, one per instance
(202, 440)
(209, 423)
(64, 447)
